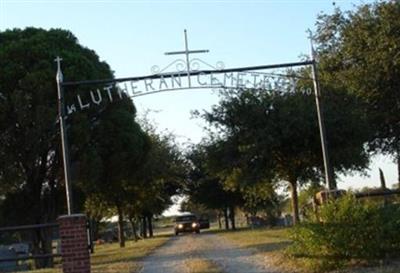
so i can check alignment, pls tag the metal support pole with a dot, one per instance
(64, 138)
(187, 58)
(329, 178)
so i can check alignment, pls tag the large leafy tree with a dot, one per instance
(29, 153)
(270, 137)
(30, 165)
(360, 51)
(116, 153)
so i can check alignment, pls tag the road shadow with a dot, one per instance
(269, 247)
(103, 258)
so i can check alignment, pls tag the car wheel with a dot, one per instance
(176, 233)
(198, 231)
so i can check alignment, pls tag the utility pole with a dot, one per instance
(64, 137)
(329, 177)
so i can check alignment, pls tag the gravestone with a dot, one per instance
(6, 253)
(20, 248)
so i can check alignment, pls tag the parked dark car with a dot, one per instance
(186, 223)
(204, 222)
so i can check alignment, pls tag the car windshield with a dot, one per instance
(185, 218)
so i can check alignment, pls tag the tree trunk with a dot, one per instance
(36, 248)
(134, 229)
(144, 227)
(226, 218)
(398, 169)
(47, 247)
(96, 229)
(121, 235)
(232, 217)
(150, 225)
(295, 201)
(219, 220)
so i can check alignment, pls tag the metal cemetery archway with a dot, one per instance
(188, 76)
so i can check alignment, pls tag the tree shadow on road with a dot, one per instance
(269, 247)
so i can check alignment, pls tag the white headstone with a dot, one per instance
(6, 253)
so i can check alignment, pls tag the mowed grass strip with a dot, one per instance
(110, 258)
(196, 265)
(262, 239)
(272, 242)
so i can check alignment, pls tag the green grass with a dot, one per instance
(110, 258)
(272, 244)
(262, 239)
(201, 266)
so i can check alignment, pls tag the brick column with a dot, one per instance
(74, 243)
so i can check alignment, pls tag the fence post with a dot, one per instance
(74, 243)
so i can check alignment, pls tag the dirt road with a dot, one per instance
(173, 257)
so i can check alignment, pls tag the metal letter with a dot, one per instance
(229, 77)
(147, 84)
(83, 106)
(108, 89)
(175, 80)
(163, 82)
(239, 83)
(255, 75)
(214, 81)
(122, 91)
(100, 98)
(198, 79)
(293, 85)
(133, 87)
(71, 109)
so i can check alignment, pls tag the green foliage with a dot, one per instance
(274, 136)
(204, 186)
(261, 198)
(359, 52)
(162, 175)
(348, 229)
(30, 158)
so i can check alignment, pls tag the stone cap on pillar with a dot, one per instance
(76, 215)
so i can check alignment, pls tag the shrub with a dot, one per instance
(346, 230)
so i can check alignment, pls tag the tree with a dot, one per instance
(96, 210)
(359, 52)
(274, 136)
(30, 165)
(262, 198)
(162, 176)
(205, 187)
(119, 147)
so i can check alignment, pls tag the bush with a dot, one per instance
(346, 230)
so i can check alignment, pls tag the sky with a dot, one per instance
(132, 36)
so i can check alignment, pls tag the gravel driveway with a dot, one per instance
(171, 257)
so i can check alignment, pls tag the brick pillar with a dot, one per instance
(74, 243)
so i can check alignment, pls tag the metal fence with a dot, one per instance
(11, 254)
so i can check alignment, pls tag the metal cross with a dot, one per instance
(186, 52)
(59, 73)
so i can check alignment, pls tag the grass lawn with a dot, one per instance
(266, 241)
(263, 239)
(110, 258)
(201, 266)
(273, 242)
